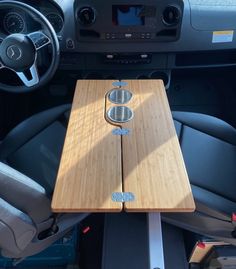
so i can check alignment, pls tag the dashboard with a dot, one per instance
(152, 34)
(16, 21)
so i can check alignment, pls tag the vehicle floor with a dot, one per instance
(173, 242)
(177, 245)
(90, 247)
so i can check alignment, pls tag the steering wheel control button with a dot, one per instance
(17, 52)
(39, 39)
(41, 42)
(118, 96)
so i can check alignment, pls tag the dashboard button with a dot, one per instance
(128, 35)
(110, 56)
(108, 36)
(70, 44)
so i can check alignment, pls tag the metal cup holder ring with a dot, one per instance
(120, 114)
(119, 96)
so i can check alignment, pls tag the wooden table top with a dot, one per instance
(90, 168)
(147, 163)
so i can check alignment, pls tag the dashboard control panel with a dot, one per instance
(123, 20)
(127, 58)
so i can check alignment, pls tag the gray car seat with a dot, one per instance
(209, 149)
(30, 156)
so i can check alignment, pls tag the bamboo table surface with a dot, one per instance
(90, 168)
(147, 162)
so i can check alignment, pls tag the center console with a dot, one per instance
(127, 21)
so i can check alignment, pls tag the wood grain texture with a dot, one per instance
(149, 161)
(90, 169)
(153, 166)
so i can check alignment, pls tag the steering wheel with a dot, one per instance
(18, 52)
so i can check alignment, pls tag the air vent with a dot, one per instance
(171, 15)
(86, 16)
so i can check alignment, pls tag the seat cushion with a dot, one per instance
(34, 147)
(209, 149)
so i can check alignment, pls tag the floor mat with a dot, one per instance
(174, 248)
(91, 242)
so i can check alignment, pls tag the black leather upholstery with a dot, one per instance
(208, 125)
(209, 149)
(27, 224)
(34, 146)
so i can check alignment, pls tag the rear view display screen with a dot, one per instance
(128, 15)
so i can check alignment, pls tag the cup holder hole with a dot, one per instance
(118, 96)
(120, 114)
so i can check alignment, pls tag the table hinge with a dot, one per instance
(122, 132)
(122, 197)
(119, 84)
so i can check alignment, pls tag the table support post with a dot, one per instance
(156, 254)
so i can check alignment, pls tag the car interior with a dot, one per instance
(58, 59)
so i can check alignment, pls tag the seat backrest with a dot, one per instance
(24, 194)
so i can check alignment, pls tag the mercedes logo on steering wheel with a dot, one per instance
(14, 52)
